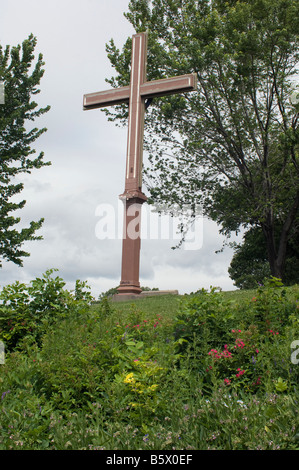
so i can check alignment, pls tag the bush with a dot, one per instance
(218, 375)
(27, 311)
(244, 348)
(204, 319)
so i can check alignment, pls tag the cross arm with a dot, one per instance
(166, 86)
(102, 99)
(169, 86)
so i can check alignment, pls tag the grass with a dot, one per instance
(211, 370)
(165, 305)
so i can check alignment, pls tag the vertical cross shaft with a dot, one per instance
(136, 113)
(133, 197)
(135, 95)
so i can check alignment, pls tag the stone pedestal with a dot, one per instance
(143, 295)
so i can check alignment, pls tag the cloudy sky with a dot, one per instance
(78, 194)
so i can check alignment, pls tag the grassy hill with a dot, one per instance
(213, 370)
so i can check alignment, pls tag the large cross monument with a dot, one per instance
(135, 95)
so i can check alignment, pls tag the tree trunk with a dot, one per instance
(276, 266)
(277, 249)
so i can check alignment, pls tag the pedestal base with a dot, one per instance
(143, 295)
(128, 289)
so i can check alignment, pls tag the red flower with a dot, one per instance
(241, 372)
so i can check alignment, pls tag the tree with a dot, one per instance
(249, 265)
(232, 146)
(21, 78)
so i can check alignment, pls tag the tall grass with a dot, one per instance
(204, 371)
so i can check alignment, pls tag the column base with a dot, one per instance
(134, 196)
(143, 295)
(132, 289)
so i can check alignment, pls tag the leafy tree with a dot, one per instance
(232, 146)
(249, 265)
(21, 78)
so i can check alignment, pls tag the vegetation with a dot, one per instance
(250, 264)
(210, 370)
(21, 78)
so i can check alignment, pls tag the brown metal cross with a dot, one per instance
(135, 95)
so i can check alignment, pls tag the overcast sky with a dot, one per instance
(88, 156)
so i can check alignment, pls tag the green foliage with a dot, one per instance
(213, 371)
(206, 316)
(28, 311)
(249, 265)
(239, 346)
(21, 78)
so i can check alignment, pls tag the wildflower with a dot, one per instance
(4, 394)
(257, 382)
(129, 379)
(239, 343)
(227, 381)
(153, 387)
(241, 372)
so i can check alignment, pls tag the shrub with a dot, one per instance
(27, 311)
(216, 376)
(203, 319)
(243, 346)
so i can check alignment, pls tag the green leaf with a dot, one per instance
(280, 385)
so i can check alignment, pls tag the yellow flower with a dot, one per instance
(153, 387)
(135, 405)
(130, 379)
